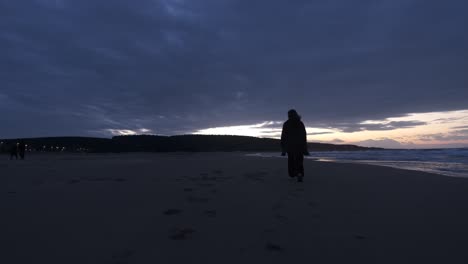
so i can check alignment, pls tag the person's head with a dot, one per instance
(292, 114)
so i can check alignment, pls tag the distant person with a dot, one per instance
(14, 151)
(294, 143)
(21, 149)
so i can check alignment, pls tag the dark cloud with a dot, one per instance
(318, 133)
(334, 141)
(379, 127)
(451, 136)
(77, 67)
(337, 140)
(461, 127)
(449, 120)
(381, 143)
(274, 125)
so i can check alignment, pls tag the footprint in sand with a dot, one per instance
(273, 247)
(209, 178)
(197, 199)
(269, 230)
(100, 179)
(315, 216)
(210, 213)
(193, 179)
(277, 207)
(294, 195)
(281, 218)
(360, 237)
(181, 233)
(206, 184)
(204, 177)
(73, 181)
(120, 179)
(172, 212)
(256, 176)
(38, 182)
(122, 256)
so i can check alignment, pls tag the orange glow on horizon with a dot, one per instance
(439, 129)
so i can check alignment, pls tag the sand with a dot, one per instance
(225, 208)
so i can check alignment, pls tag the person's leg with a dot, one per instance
(296, 165)
(291, 167)
(300, 166)
(300, 163)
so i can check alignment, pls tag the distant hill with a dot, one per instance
(150, 143)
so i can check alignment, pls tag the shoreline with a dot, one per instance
(380, 163)
(440, 168)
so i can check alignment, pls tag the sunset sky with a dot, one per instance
(387, 73)
(422, 130)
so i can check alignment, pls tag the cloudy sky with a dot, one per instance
(389, 73)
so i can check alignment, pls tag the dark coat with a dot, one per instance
(294, 136)
(21, 147)
(13, 149)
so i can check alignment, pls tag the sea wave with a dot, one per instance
(448, 162)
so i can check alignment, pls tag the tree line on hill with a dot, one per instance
(154, 143)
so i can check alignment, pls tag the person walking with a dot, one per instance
(21, 149)
(14, 151)
(294, 143)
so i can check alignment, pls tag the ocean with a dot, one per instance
(448, 162)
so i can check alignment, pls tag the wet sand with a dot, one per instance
(225, 208)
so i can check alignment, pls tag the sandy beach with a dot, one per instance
(225, 208)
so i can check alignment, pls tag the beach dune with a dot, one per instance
(225, 208)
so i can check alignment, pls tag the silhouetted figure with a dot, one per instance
(21, 149)
(14, 151)
(294, 142)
